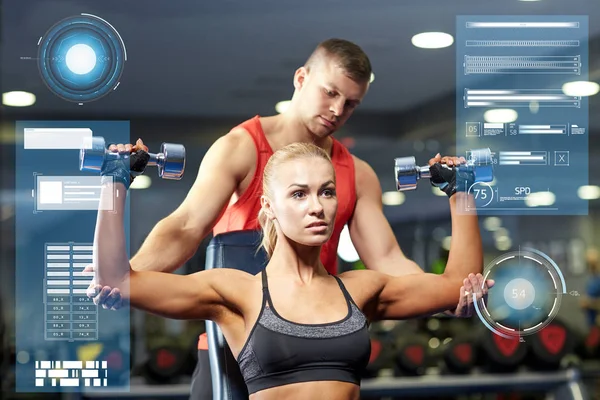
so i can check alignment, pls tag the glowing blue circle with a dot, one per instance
(81, 59)
(519, 293)
(526, 296)
(85, 31)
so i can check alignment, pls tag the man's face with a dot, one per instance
(327, 97)
(304, 201)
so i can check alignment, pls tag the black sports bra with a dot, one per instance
(280, 352)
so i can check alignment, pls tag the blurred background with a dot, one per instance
(196, 69)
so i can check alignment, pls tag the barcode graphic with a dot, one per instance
(522, 43)
(71, 373)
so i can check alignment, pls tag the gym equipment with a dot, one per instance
(382, 357)
(170, 161)
(460, 354)
(589, 345)
(236, 249)
(500, 354)
(550, 345)
(408, 173)
(412, 355)
(165, 365)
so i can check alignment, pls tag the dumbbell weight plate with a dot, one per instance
(407, 173)
(92, 154)
(172, 165)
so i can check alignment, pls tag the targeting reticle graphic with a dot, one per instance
(526, 296)
(81, 58)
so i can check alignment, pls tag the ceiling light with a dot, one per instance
(282, 106)
(393, 198)
(141, 182)
(500, 233)
(589, 192)
(580, 88)
(18, 99)
(534, 107)
(504, 243)
(372, 78)
(538, 199)
(500, 115)
(432, 40)
(446, 242)
(492, 223)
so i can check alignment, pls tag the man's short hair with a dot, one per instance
(349, 56)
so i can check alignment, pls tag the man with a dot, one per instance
(225, 195)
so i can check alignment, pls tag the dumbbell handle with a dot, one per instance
(425, 173)
(155, 159)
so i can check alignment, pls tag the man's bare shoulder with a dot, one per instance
(238, 138)
(237, 149)
(365, 175)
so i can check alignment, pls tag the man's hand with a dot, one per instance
(473, 288)
(107, 297)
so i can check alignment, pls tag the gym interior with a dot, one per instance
(194, 70)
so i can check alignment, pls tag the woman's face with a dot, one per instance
(304, 202)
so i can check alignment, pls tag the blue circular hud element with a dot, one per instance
(526, 296)
(81, 58)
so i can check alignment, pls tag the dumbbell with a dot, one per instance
(170, 161)
(408, 173)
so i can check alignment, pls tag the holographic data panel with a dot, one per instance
(511, 97)
(63, 341)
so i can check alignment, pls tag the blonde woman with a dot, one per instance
(296, 331)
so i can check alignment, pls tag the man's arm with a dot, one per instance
(175, 239)
(370, 230)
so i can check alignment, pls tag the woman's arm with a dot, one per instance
(420, 294)
(203, 295)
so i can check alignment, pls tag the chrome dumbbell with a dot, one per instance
(408, 174)
(170, 161)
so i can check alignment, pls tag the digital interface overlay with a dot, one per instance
(526, 295)
(510, 77)
(64, 342)
(81, 58)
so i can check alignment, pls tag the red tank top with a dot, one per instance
(243, 214)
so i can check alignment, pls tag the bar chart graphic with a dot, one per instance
(542, 129)
(523, 158)
(522, 65)
(521, 24)
(69, 314)
(519, 98)
(522, 43)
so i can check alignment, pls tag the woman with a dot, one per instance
(296, 331)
